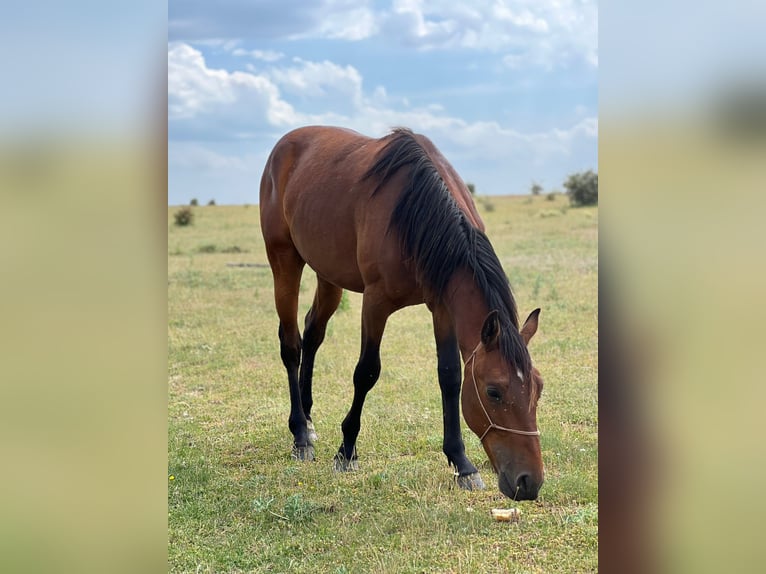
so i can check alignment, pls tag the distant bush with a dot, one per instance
(471, 187)
(582, 188)
(536, 189)
(194, 202)
(213, 248)
(211, 202)
(551, 196)
(487, 204)
(184, 216)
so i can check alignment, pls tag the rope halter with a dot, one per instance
(472, 360)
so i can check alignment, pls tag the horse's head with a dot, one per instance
(500, 406)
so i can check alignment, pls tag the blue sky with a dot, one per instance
(507, 90)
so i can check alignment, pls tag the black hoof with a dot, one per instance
(471, 481)
(305, 453)
(341, 464)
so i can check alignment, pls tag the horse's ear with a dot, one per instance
(491, 329)
(530, 326)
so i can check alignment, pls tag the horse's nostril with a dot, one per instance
(522, 483)
(524, 487)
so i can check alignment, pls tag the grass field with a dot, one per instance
(238, 503)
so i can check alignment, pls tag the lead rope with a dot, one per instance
(492, 425)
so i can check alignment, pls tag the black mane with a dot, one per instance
(436, 234)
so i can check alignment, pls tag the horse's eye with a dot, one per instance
(494, 394)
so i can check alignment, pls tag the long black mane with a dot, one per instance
(437, 235)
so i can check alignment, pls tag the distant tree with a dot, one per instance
(211, 202)
(194, 202)
(536, 189)
(471, 187)
(184, 216)
(582, 188)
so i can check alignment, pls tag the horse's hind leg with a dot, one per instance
(375, 313)
(326, 300)
(287, 268)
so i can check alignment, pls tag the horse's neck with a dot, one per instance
(468, 309)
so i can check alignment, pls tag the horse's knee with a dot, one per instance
(449, 380)
(313, 337)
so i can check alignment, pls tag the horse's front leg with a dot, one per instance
(448, 356)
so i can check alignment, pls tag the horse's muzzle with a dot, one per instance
(523, 486)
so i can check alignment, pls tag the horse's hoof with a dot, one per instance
(471, 481)
(305, 453)
(341, 464)
(312, 432)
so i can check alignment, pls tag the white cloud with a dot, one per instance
(327, 85)
(206, 103)
(262, 55)
(409, 22)
(212, 111)
(536, 33)
(542, 33)
(197, 20)
(520, 18)
(228, 102)
(487, 140)
(231, 98)
(346, 20)
(235, 104)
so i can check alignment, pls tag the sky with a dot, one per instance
(506, 89)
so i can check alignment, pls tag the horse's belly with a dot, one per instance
(329, 249)
(345, 277)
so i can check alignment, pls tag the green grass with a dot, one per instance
(237, 503)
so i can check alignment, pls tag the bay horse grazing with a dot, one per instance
(390, 218)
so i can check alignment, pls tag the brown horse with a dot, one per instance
(390, 218)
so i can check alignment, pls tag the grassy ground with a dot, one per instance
(237, 503)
